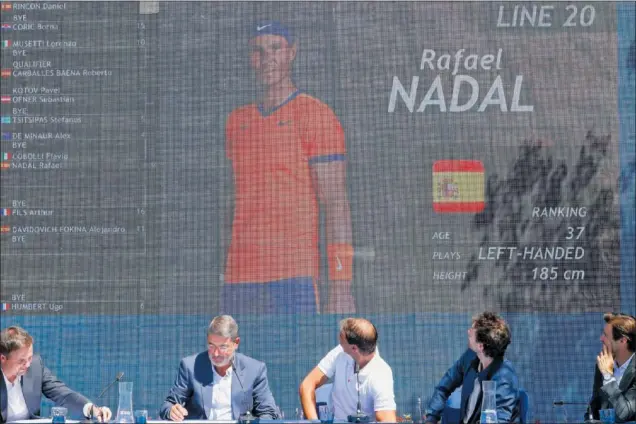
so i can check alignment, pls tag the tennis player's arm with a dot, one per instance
(226, 192)
(330, 183)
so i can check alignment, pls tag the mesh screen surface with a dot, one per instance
(488, 159)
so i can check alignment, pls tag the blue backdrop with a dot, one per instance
(554, 354)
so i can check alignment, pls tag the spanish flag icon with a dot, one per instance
(458, 186)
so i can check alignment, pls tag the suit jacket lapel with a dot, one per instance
(32, 395)
(238, 395)
(469, 382)
(4, 403)
(467, 389)
(207, 382)
(630, 374)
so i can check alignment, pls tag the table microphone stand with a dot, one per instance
(359, 417)
(247, 418)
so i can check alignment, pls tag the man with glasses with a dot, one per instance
(220, 384)
(615, 376)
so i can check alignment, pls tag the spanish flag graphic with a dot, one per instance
(458, 186)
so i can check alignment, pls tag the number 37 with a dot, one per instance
(572, 230)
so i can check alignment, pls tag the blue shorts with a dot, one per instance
(290, 296)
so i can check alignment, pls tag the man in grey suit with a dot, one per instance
(220, 384)
(615, 377)
(25, 379)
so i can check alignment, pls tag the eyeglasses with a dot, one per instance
(224, 348)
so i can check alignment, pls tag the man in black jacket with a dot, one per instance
(488, 338)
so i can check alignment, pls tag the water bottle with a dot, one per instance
(489, 402)
(58, 415)
(418, 411)
(125, 406)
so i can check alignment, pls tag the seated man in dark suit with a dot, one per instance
(220, 384)
(488, 338)
(25, 379)
(615, 377)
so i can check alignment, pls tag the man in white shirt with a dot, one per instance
(25, 379)
(615, 377)
(358, 373)
(220, 384)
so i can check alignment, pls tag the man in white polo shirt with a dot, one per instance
(357, 372)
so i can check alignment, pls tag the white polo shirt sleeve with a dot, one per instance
(381, 390)
(328, 364)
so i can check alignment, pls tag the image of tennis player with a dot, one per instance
(289, 160)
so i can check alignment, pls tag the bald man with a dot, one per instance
(357, 372)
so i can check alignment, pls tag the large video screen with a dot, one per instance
(442, 156)
(294, 163)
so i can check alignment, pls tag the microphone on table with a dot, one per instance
(562, 402)
(359, 417)
(246, 417)
(117, 379)
(589, 416)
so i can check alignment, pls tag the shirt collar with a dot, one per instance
(267, 112)
(625, 365)
(217, 376)
(367, 368)
(8, 383)
(373, 360)
(490, 370)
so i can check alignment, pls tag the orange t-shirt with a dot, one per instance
(275, 228)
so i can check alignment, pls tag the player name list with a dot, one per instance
(74, 129)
